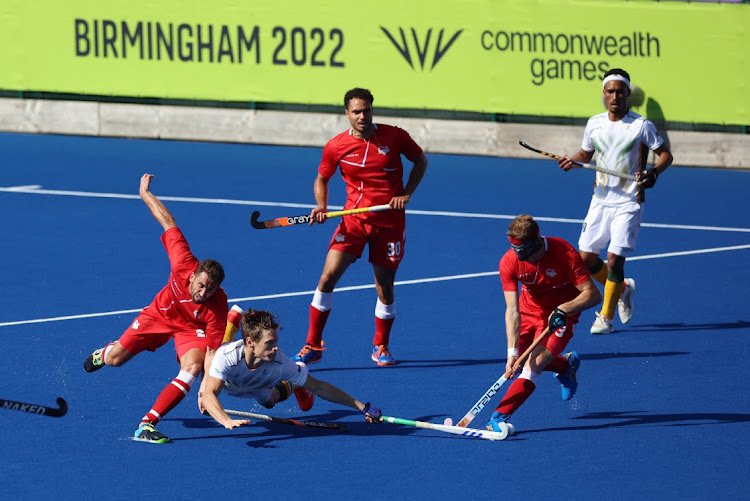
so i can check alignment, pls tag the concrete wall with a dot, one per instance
(692, 149)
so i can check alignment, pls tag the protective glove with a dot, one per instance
(557, 319)
(372, 414)
(648, 179)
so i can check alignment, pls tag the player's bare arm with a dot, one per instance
(320, 189)
(206, 365)
(157, 208)
(663, 160)
(329, 392)
(213, 387)
(566, 163)
(415, 177)
(588, 297)
(512, 327)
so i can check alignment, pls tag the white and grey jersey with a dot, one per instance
(620, 146)
(229, 365)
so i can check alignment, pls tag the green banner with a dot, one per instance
(537, 57)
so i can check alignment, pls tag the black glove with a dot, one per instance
(557, 319)
(648, 179)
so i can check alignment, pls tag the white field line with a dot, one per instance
(367, 286)
(36, 190)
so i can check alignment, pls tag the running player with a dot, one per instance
(369, 156)
(192, 308)
(622, 139)
(555, 288)
(254, 367)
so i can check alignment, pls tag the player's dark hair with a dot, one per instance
(523, 228)
(213, 269)
(359, 93)
(254, 322)
(616, 71)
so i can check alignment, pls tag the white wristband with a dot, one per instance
(512, 352)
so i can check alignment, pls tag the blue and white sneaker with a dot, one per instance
(381, 355)
(498, 422)
(569, 380)
(309, 354)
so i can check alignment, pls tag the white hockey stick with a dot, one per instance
(455, 430)
(469, 417)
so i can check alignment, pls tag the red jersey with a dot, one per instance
(547, 283)
(174, 306)
(371, 169)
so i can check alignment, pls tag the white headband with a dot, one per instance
(621, 78)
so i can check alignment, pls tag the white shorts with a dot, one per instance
(616, 225)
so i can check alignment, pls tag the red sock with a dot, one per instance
(318, 321)
(516, 395)
(170, 397)
(558, 364)
(382, 330)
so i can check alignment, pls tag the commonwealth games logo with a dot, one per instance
(422, 49)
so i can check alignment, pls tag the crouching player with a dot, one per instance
(555, 288)
(254, 367)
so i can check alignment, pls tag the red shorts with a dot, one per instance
(533, 325)
(149, 333)
(386, 244)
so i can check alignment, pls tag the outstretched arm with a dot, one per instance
(206, 366)
(329, 392)
(157, 208)
(212, 389)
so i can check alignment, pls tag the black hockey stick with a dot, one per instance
(36, 409)
(611, 172)
(342, 428)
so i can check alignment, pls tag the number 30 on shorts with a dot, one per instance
(394, 249)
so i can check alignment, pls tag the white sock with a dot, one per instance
(322, 301)
(385, 311)
(529, 374)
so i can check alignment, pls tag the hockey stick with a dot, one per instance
(585, 166)
(36, 409)
(292, 220)
(262, 417)
(465, 432)
(469, 417)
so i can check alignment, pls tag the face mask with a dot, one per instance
(527, 249)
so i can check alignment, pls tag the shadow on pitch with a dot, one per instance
(412, 364)
(499, 362)
(611, 356)
(680, 327)
(642, 418)
(264, 434)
